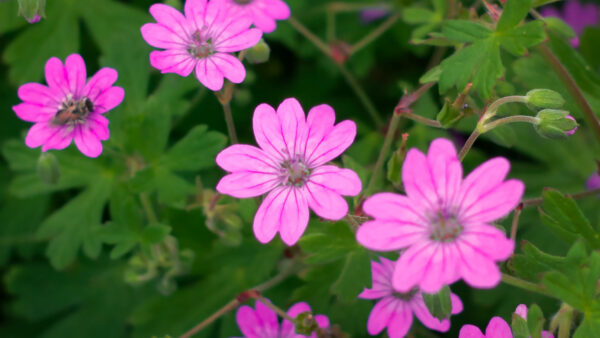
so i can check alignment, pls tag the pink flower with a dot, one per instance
(291, 166)
(35, 19)
(395, 310)
(522, 310)
(444, 222)
(497, 328)
(202, 40)
(69, 108)
(263, 12)
(263, 323)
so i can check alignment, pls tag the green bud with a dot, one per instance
(259, 53)
(439, 304)
(48, 168)
(545, 98)
(449, 114)
(32, 10)
(555, 124)
(305, 323)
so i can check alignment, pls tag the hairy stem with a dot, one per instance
(274, 307)
(423, 120)
(229, 121)
(376, 33)
(540, 200)
(467, 146)
(389, 137)
(525, 285)
(515, 222)
(310, 36)
(506, 120)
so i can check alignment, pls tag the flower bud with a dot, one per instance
(48, 168)
(545, 98)
(555, 123)
(593, 182)
(305, 323)
(32, 10)
(259, 53)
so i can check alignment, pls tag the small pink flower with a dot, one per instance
(291, 166)
(263, 12)
(395, 310)
(202, 40)
(522, 310)
(497, 328)
(444, 222)
(35, 19)
(263, 323)
(69, 108)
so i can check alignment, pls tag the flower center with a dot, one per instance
(201, 45)
(73, 111)
(294, 172)
(406, 296)
(445, 226)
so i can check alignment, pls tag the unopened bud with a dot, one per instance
(48, 168)
(555, 123)
(305, 323)
(32, 10)
(259, 53)
(545, 98)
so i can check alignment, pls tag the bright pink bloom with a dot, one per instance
(522, 310)
(263, 12)
(291, 166)
(263, 323)
(577, 15)
(444, 222)
(202, 40)
(497, 328)
(69, 108)
(395, 310)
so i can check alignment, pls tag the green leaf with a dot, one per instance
(514, 12)
(535, 321)
(564, 289)
(518, 39)
(196, 151)
(335, 243)
(9, 18)
(439, 304)
(519, 326)
(432, 75)
(155, 233)
(465, 31)
(416, 15)
(356, 274)
(558, 25)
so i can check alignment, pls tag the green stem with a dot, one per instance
(511, 119)
(467, 146)
(540, 200)
(491, 110)
(376, 33)
(361, 94)
(275, 308)
(229, 121)
(423, 120)
(515, 222)
(310, 36)
(352, 7)
(565, 322)
(389, 137)
(572, 87)
(525, 285)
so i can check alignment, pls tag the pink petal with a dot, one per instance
(267, 131)
(389, 235)
(342, 181)
(75, 73)
(236, 24)
(285, 210)
(34, 113)
(382, 280)
(56, 76)
(87, 142)
(477, 269)
(481, 180)
(101, 81)
(418, 181)
(159, 36)
(209, 75)
(241, 157)
(293, 124)
(470, 331)
(380, 316)
(108, 99)
(333, 145)
(400, 322)
(195, 8)
(325, 203)
(39, 94)
(322, 321)
(446, 169)
(263, 21)
(413, 266)
(248, 322)
(495, 203)
(267, 318)
(457, 305)
(247, 184)
(522, 310)
(373, 293)
(420, 310)
(60, 138)
(176, 61)
(238, 41)
(488, 240)
(498, 328)
(230, 66)
(216, 15)
(172, 19)
(38, 134)
(98, 124)
(390, 206)
(318, 125)
(277, 9)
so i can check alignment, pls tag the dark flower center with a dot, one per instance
(406, 296)
(201, 45)
(445, 226)
(73, 111)
(294, 172)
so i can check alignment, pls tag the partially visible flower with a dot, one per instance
(373, 13)
(69, 108)
(262, 322)
(291, 165)
(202, 40)
(572, 131)
(444, 223)
(593, 182)
(263, 12)
(497, 328)
(395, 310)
(32, 10)
(35, 19)
(577, 15)
(522, 310)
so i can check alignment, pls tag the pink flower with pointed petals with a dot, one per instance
(200, 40)
(444, 222)
(291, 166)
(522, 310)
(395, 310)
(497, 328)
(263, 12)
(262, 322)
(69, 108)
